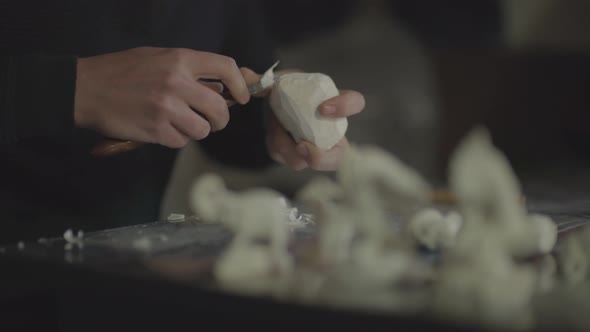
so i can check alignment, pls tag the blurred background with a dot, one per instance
(430, 70)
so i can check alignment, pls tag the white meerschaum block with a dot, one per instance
(295, 99)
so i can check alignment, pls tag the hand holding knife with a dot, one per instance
(111, 147)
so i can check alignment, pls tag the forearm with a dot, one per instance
(36, 96)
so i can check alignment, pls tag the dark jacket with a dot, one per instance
(48, 179)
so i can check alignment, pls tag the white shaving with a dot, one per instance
(297, 220)
(268, 79)
(20, 245)
(73, 240)
(175, 217)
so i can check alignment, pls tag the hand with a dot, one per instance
(284, 150)
(151, 94)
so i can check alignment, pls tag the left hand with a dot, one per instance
(299, 156)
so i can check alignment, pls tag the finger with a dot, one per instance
(189, 123)
(204, 100)
(252, 77)
(211, 65)
(215, 86)
(283, 148)
(346, 104)
(323, 160)
(274, 155)
(172, 138)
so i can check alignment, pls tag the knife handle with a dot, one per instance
(111, 147)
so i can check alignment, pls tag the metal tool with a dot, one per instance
(111, 147)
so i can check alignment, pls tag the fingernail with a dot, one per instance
(328, 109)
(302, 150)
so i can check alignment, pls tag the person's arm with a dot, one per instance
(36, 96)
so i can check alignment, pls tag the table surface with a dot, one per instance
(182, 254)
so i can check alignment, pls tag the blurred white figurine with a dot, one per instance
(483, 181)
(435, 231)
(336, 226)
(376, 183)
(572, 261)
(490, 290)
(489, 198)
(255, 215)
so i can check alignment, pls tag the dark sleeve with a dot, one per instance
(242, 142)
(36, 96)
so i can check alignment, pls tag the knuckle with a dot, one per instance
(229, 62)
(202, 131)
(162, 104)
(218, 112)
(170, 79)
(160, 133)
(222, 119)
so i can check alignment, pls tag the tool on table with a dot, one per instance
(111, 147)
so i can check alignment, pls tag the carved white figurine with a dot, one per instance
(489, 194)
(376, 183)
(572, 261)
(253, 215)
(484, 183)
(584, 239)
(546, 274)
(434, 230)
(381, 267)
(336, 227)
(489, 290)
(538, 237)
(295, 99)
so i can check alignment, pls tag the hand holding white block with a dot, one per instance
(295, 99)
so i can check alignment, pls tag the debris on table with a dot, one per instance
(176, 217)
(73, 240)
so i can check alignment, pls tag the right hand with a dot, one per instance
(151, 94)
